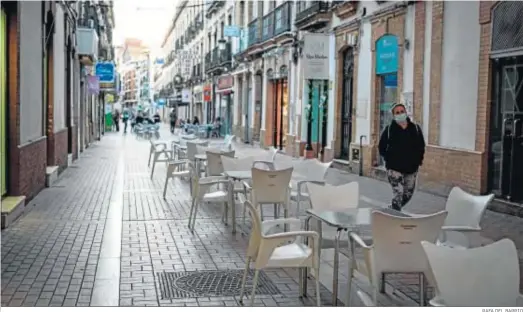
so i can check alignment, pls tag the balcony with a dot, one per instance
(214, 7)
(316, 15)
(208, 61)
(215, 57)
(253, 33)
(87, 42)
(282, 18)
(268, 26)
(226, 55)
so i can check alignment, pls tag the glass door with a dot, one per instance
(506, 139)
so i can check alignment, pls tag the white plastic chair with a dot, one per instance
(161, 154)
(154, 147)
(333, 198)
(202, 192)
(396, 248)
(274, 250)
(175, 169)
(341, 198)
(227, 142)
(485, 276)
(306, 171)
(269, 187)
(464, 216)
(214, 165)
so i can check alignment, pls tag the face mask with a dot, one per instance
(400, 117)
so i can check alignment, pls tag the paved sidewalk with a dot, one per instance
(103, 236)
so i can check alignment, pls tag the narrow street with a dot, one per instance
(103, 236)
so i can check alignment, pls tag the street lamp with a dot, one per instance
(178, 80)
(221, 44)
(309, 152)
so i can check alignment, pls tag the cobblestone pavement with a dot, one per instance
(103, 236)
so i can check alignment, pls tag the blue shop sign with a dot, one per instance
(231, 31)
(105, 71)
(161, 102)
(387, 55)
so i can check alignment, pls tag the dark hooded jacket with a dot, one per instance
(402, 149)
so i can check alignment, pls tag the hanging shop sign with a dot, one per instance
(207, 93)
(225, 82)
(231, 31)
(186, 96)
(316, 49)
(93, 84)
(387, 55)
(105, 71)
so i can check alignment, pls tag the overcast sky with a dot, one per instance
(147, 20)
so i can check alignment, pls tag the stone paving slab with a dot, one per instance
(53, 255)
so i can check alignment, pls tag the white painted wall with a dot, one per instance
(363, 84)
(332, 91)
(408, 58)
(459, 75)
(59, 70)
(426, 68)
(31, 106)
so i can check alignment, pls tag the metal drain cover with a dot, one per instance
(223, 283)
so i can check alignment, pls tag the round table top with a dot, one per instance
(239, 175)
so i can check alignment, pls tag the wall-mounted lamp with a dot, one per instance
(297, 48)
(221, 44)
(406, 43)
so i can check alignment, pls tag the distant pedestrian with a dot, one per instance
(156, 117)
(116, 120)
(172, 119)
(125, 119)
(402, 146)
(196, 121)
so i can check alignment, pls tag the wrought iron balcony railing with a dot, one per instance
(208, 61)
(215, 57)
(226, 55)
(314, 8)
(282, 18)
(268, 26)
(253, 32)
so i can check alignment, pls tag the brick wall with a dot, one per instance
(32, 166)
(444, 168)
(60, 149)
(74, 132)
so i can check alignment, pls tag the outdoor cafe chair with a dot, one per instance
(214, 166)
(306, 171)
(396, 248)
(269, 187)
(175, 169)
(333, 198)
(203, 192)
(462, 225)
(486, 276)
(281, 250)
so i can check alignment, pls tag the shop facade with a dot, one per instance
(225, 98)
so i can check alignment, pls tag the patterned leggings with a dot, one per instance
(403, 186)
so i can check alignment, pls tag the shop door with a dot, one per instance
(281, 118)
(248, 108)
(506, 148)
(346, 108)
(3, 103)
